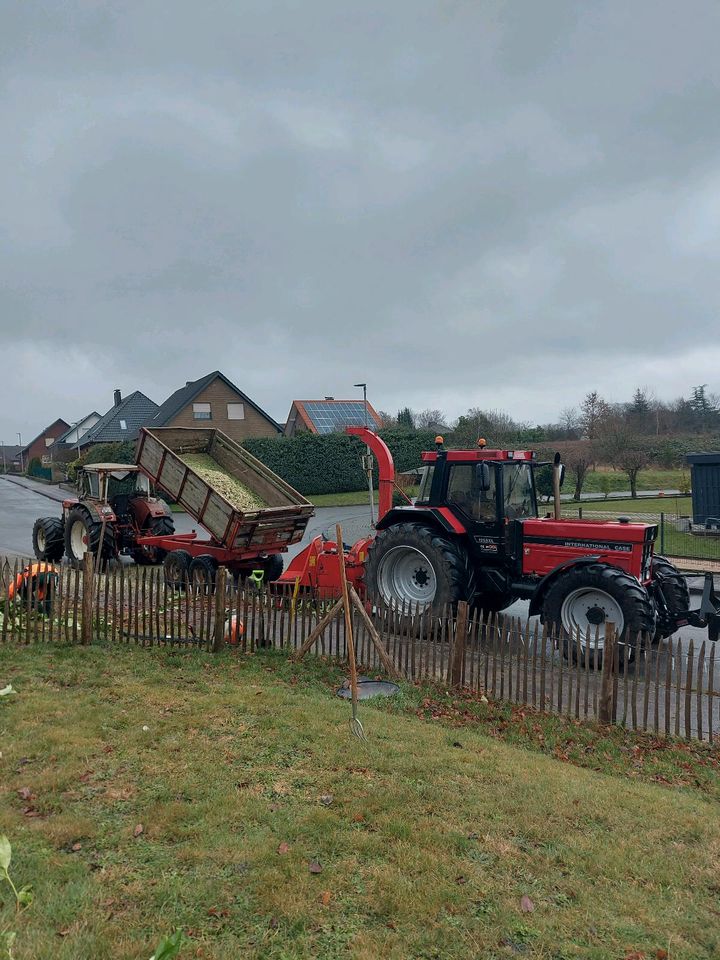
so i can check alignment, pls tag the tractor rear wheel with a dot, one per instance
(202, 573)
(411, 565)
(48, 538)
(177, 569)
(82, 535)
(157, 527)
(273, 567)
(588, 598)
(675, 592)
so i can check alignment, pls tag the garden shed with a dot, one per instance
(705, 480)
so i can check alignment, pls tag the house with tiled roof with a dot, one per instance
(330, 416)
(122, 421)
(215, 401)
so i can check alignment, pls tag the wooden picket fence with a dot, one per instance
(668, 689)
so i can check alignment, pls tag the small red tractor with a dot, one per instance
(113, 514)
(473, 533)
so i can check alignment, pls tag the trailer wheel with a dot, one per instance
(82, 535)
(675, 592)
(177, 569)
(412, 565)
(588, 598)
(202, 573)
(48, 538)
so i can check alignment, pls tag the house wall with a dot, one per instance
(218, 395)
(39, 447)
(82, 429)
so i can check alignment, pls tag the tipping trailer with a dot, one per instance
(241, 539)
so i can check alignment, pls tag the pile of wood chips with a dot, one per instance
(219, 479)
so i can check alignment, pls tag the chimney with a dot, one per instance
(329, 398)
(118, 398)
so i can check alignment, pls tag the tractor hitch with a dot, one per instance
(707, 614)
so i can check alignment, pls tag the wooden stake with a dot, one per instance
(374, 635)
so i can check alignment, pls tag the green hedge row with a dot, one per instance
(330, 463)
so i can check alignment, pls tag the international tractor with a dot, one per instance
(115, 513)
(473, 533)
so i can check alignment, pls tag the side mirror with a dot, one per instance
(562, 474)
(482, 476)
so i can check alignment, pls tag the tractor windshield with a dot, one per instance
(518, 491)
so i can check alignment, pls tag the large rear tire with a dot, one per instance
(676, 594)
(412, 566)
(588, 598)
(48, 538)
(82, 535)
(156, 527)
(273, 567)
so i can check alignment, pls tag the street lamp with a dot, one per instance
(2, 446)
(22, 466)
(368, 458)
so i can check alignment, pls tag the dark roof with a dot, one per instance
(329, 416)
(185, 395)
(61, 438)
(46, 430)
(10, 452)
(710, 459)
(134, 411)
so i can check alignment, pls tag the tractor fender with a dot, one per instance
(538, 598)
(144, 510)
(92, 511)
(441, 518)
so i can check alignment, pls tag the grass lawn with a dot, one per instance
(680, 506)
(247, 815)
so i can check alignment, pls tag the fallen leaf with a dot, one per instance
(358, 818)
(661, 954)
(283, 847)
(526, 904)
(325, 898)
(26, 793)
(75, 847)
(138, 830)
(460, 880)
(635, 955)
(326, 799)
(314, 866)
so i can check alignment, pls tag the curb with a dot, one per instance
(40, 493)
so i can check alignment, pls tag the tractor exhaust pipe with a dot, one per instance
(557, 482)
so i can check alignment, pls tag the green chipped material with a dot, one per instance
(223, 482)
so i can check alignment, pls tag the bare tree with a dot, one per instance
(431, 420)
(571, 422)
(578, 461)
(593, 411)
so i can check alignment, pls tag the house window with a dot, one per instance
(201, 411)
(49, 441)
(123, 424)
(236, 411)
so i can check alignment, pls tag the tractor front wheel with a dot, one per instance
(48, 538)
(586, 599)
(675, 593)
(412, 566)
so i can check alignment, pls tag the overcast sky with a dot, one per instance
(471, 203)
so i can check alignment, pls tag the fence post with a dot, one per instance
(662, 532)
(219, 634)
(87, 599)
(458, 659)
(605, 706)
(579, 513)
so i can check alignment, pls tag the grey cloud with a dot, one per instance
(495, 204)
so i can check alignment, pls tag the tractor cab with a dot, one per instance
(113, 485)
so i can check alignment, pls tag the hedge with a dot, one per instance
(330, 463)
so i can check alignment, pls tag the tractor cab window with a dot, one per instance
(426, 481)
(471, 488)
(120, 483)
(92, 484)
(518, 491)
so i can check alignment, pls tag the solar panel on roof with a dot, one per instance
(328, 417)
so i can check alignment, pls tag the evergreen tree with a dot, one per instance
(405, 419)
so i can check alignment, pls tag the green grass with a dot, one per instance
(653, 479)
(677, 506)
(428, 836)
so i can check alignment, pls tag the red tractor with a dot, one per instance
(115, 510)
(473, 533)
